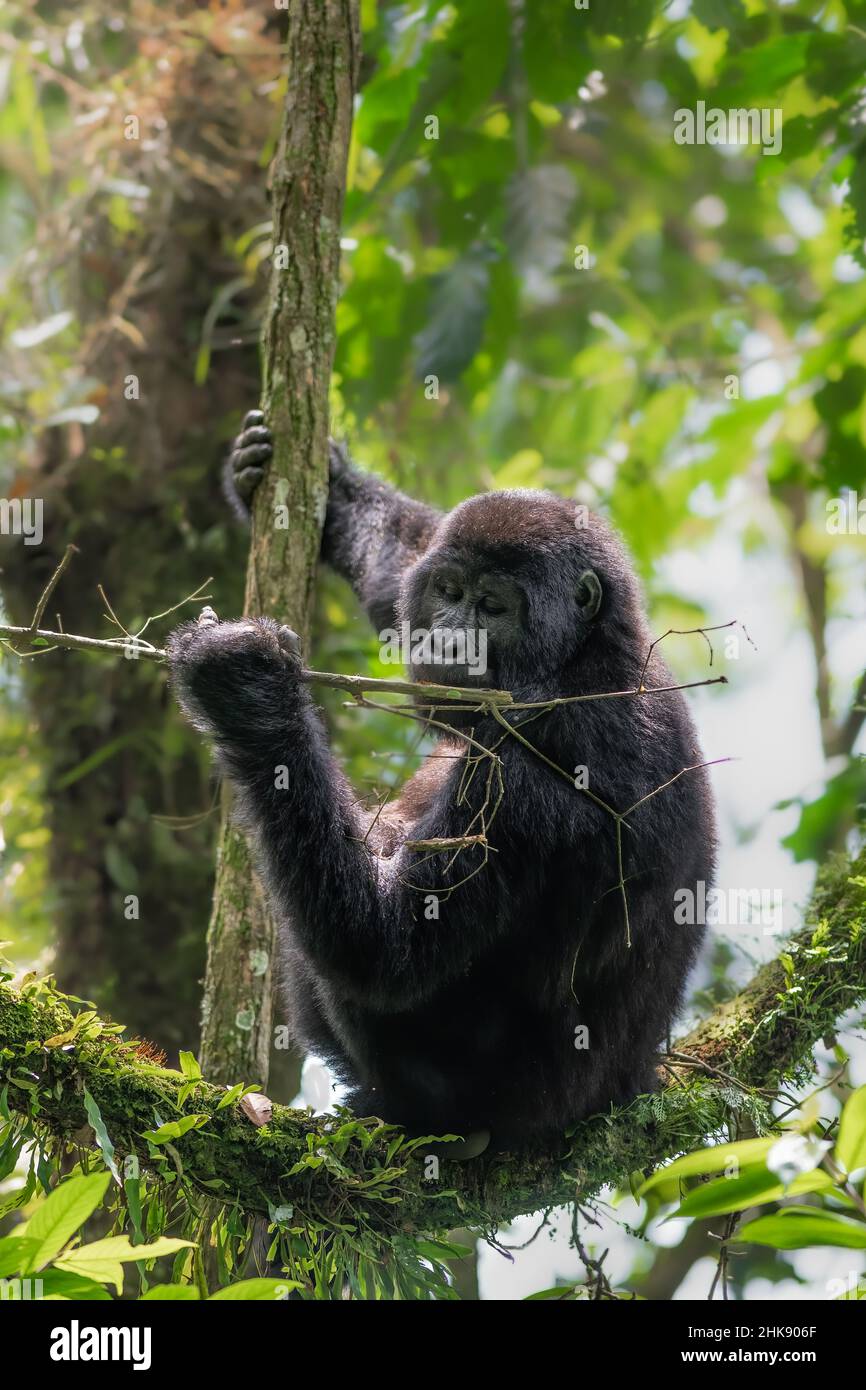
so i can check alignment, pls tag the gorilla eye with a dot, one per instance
(491, 605)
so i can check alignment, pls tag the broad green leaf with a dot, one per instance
(165, 1293)
(61, 1284)
(851, 1144)
(763, 69)
(16, 1252)
(720, 14)
(103, 1260)
(60, 1215)
(234, 1094)
(79, 1022)
(259, 1290)
(132, 1189)
(744, 1152)
(797, 1228)
(753, 1187)
(175, 1129)
(189, 1066)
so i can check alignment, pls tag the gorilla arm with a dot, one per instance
(372, 532)
(355, 916)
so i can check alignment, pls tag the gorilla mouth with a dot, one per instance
(455, 674)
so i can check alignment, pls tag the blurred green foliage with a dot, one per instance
(541, 288)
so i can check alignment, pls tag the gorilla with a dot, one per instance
(524, 977)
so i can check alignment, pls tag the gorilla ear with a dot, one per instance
(589, 593)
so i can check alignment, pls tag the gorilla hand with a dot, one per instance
(245, 466)
(250, 455)
(234, 680)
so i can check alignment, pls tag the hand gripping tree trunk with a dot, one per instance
(307, 189)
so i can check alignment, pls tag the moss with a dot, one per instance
(333, 1171)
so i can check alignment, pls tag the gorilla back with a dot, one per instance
(497, 950)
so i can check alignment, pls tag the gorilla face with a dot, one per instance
(516, 600)
(475, 613)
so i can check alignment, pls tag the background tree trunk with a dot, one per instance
(307, 186)
(128, 792)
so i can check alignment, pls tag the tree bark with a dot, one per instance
(763, 1035)
(307, 188)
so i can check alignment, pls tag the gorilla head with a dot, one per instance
(532, 578)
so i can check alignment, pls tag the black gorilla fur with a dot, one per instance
(469, 1022)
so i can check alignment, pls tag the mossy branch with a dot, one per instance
(361, 1171)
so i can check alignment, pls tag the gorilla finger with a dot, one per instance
(254, 453)
(289, 641)
(247, 481)
(252, 417)
(256, 434)
(207, 617)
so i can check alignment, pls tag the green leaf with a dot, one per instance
(796, 1228)
(442, 1250)
(190, 1067)
(79, 1023)
(61, 1284)
(521, 470)
(753, 1187)
(720, 14)
(851, 1144)
(556, 53)
(16, 1253)
(132, 1189)
(102, 1137)
(455, 325)
(165, 1293)
(762, 70)
(744, 1152)
(60, 1216)
(175, 1129)
(539, 202)
(103, 1259)
(234, 1094)
(258, 1290)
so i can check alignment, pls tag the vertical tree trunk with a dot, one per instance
(307, 187)
(126, 784)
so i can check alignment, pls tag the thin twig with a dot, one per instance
(51, 586)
